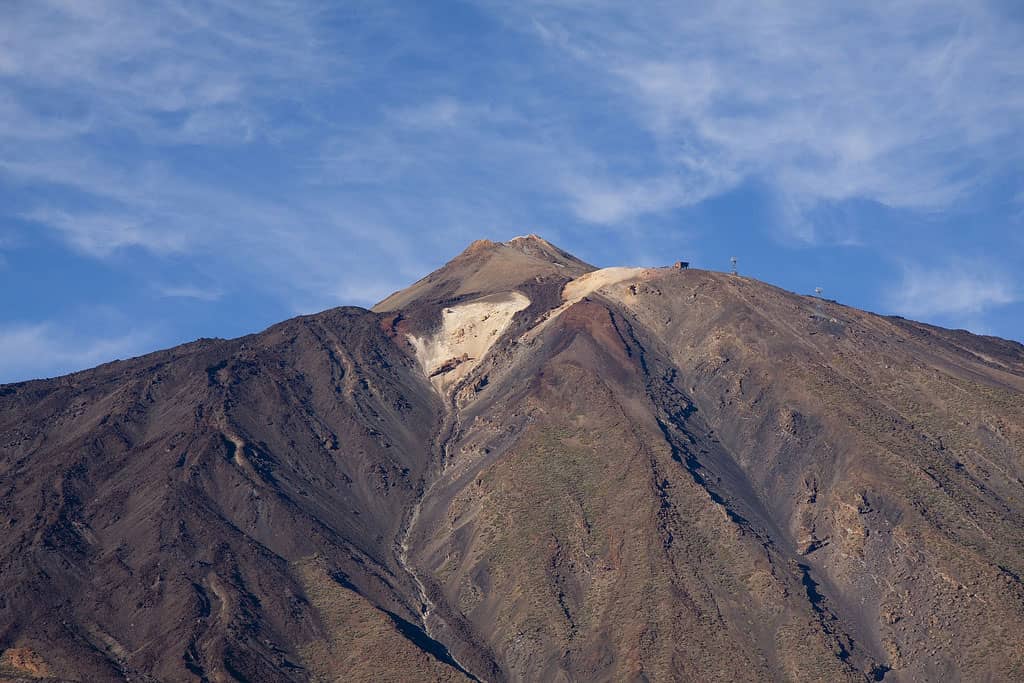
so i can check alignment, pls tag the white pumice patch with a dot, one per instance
(467, 333)
(603, 280)
(598, 279)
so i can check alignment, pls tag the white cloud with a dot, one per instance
(608, 201)
(439, 113)
(21, 123)
(364, 157)
(959, 291)
(101, 234)
(44, 349)
(219, 126)
(120, 65)
(910, 104)
(366, 291)
(92, 92)
(190, 292)
(447, 112)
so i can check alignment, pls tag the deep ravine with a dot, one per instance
(446, 434)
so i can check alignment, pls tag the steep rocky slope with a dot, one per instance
(225, 510)
(523, 468)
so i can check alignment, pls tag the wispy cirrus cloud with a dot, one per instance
(47, 349)
(165, 69)
(101, 234)
(608, 200)
(442, 112)
(910, 104)
(959, 291)
(446, 112)
(96, 95)
(112, 115)
(907, 104)
(187, 291)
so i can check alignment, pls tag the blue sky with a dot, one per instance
(177, 169)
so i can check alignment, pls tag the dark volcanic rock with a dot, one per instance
(641, 474)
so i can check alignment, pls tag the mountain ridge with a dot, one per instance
(520, 470)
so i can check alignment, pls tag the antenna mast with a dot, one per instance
(733, 261)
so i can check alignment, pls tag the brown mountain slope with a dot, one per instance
(205, 512)
(524, 469)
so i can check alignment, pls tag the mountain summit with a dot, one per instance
(487, 267)
(526, 468)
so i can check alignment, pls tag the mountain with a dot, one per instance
(526, 468)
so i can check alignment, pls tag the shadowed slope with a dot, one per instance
(155, 509)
